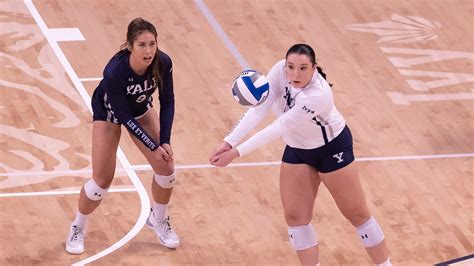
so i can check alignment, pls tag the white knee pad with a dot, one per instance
(370, 233)
(165, 181)
(93, 191)
(302, 236)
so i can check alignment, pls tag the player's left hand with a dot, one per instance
(225, 158)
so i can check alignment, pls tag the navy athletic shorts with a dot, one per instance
(99, 109)
(328, 158)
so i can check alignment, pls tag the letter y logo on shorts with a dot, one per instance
(339, 157)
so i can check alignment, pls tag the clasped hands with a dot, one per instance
(165, 152)
(223, 155)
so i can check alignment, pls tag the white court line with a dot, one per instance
(362, 159)
(66, 34)
(144, 200)
(146, 167)
(416, 157)
(59, 192)
(60, 172)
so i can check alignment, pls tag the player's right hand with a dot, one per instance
(219, 150)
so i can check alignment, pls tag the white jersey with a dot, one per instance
(306, 117)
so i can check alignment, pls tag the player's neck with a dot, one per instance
(136, 66)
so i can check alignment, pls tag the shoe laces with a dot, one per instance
(166, 225)
(77, 231)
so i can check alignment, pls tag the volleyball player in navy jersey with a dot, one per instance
(124, 97)
(319, 149)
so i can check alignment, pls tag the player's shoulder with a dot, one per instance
(164, 58)
(278, 68)
(318, 94)
(280, 64)
(314, 92)
(165, 63)
(117, 64)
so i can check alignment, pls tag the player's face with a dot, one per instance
(143, 50)
(299, 70)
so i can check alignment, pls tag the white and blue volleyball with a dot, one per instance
(250, 88)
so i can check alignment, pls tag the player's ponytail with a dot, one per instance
(155, 70)
(305, 49)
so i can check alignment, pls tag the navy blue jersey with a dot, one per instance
(122, 96)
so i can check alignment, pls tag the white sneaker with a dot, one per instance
(75, 240)
(163, 230)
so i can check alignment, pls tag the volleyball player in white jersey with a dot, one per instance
(319, 148)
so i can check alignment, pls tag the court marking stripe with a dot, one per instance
(459, 260)
(145, 201)
(60, 192)
(363, 159)
(218, 29)
(416, 157)
(144, 167)
(147, 167)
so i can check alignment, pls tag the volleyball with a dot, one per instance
(250, 88)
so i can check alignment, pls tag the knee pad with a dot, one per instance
(370, 233)
(165, 181)
(93, 191)
(302, 236)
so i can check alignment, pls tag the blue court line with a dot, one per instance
(218, 29)
(455, 260)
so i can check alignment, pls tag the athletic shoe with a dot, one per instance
(75, 240)
(165, 234)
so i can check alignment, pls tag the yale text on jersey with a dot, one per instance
(137, 88)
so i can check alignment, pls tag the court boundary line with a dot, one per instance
(362, 159)
(146, 167)
(144, 199)
(60, 192)
(456, 260)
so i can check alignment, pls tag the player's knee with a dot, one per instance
(370, 233)
(93, 191)
(357, 217)
(293, 216)
(302, 236)
(165, 181)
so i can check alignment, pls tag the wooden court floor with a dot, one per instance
(403, 78)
